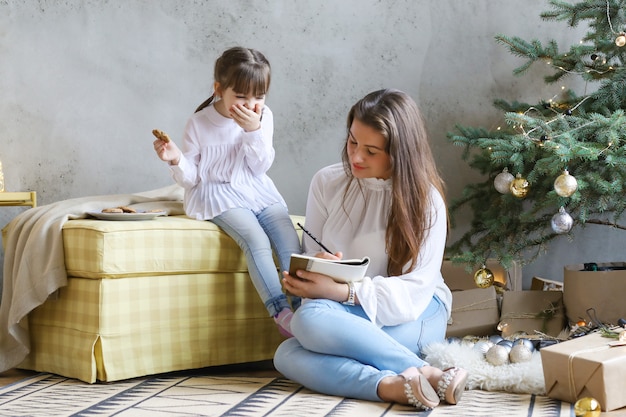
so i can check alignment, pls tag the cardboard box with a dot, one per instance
(474, 312)
(543, 284)
(531, 311)
(599, 290)
(458, 279)
(586, 367)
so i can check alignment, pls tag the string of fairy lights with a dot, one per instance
(565, 185)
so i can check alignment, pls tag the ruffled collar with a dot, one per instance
(376, 184)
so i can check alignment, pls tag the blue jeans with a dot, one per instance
(338, 351)
(257, 234)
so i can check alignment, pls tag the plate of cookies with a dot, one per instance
(126, 213)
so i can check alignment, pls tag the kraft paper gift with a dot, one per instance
(600, 290)
(586, 367)
(532, 312)
(474, 312)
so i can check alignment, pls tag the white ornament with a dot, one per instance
(520, 353)
(497, 355)
(503, 180)
(483, 346)
(562, 222)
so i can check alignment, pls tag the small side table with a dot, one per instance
(20, 198)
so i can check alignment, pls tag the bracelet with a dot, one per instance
(350, 300)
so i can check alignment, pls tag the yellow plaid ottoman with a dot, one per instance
(146, 297)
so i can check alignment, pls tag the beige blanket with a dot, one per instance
(34, 262)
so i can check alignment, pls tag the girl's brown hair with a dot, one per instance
(245, 70)
(396, 116)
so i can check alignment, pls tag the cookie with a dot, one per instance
(159, 134)
(127, 209)
(113, 210)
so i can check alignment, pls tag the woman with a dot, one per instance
(386, 201)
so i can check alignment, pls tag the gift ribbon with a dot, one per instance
(553, 310)
(486, 306)
(570, 366)
(479, 305)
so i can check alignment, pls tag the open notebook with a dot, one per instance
(342, 270)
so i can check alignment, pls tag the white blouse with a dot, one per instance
(224, 167)
(357, 228)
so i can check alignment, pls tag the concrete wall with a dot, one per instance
(83, 83)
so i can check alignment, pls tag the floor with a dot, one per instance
(260, 369)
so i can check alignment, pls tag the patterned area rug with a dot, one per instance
(52, 395)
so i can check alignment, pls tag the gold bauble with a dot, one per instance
(565, 184)
(620, 40)
(587, 407)
(519, 186)
(483, 278)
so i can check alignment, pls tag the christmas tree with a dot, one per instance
(556, 165)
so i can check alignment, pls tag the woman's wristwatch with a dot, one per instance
(351, 294)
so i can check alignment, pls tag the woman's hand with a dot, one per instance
(249, 120)
(167, 151)
(313, 285)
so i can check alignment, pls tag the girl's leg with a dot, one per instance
(242, 225)
(279, 228)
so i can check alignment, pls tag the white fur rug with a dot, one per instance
(519, 378)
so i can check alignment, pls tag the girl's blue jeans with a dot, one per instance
(338, 351)
(258, 234)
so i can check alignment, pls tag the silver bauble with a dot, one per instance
(520, 353)
(562, 222)
(526, 342)
(508, 344)
(482, 346)
(503, 180)
(497, 355)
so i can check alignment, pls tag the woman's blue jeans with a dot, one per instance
(338, 351)
(257, 234)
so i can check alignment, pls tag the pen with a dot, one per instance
(314, 238)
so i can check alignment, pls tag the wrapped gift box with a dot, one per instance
(583, 290)
(543, 284)
(531, 311)
(474, 312)
(586, 367)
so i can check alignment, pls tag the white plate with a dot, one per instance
(126, 216)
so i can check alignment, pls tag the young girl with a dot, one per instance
(227, 150)
(386, 200)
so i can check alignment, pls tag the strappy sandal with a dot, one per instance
(451, 386)
(419, 393)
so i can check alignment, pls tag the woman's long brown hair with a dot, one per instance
(396, 116)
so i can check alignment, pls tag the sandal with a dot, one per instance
(451, 385)
(419, 393)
